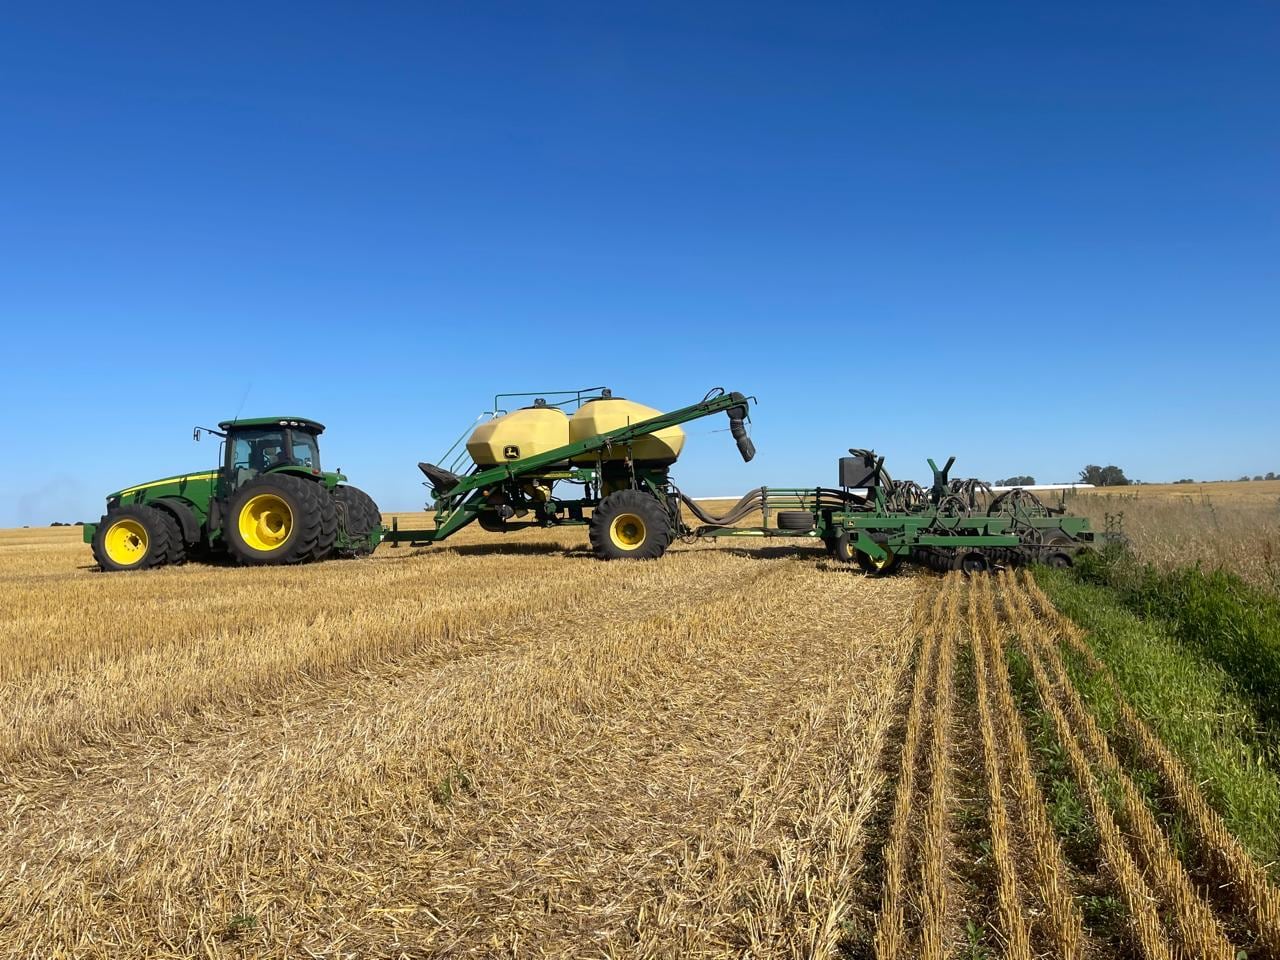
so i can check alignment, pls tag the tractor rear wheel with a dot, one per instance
(630, 525)
(132, 537)
(328, 526)
(279, 518)
(359, 517)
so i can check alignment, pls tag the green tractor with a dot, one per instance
(267, 503)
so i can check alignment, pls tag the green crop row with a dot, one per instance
(1188, 652)
(1217, 615)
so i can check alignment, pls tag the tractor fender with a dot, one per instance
(181, 511)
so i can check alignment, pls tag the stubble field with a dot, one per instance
(1233, 526)
(507, 748)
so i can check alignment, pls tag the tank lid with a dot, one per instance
(605, 394)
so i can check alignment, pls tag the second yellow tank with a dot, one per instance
(609, 413)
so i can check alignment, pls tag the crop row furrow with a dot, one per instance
(1013, 924)
(1236, 870)
(1141, 900)
(891, 934)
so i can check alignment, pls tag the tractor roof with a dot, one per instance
(259, 422)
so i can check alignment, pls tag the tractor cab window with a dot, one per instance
(254, 451)
(306, 452)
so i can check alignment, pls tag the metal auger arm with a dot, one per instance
(733, 403)
(460, 503)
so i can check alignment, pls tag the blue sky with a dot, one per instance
(1032, 235)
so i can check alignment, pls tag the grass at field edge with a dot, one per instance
(1194, 703)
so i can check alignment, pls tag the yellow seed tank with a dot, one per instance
(522, 433)
(609, 413)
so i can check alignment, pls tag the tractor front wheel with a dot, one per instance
(279, 518)
(630, 525)
(134, 537)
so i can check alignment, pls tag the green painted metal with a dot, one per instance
(1007, 534)
(200, 491)
(314, 426)
(465, 503)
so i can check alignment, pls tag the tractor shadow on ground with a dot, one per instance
(774, 553)
(517, 549)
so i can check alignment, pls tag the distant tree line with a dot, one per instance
(1108, 476)
(1023, 481)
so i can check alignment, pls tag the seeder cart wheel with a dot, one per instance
(629, 525)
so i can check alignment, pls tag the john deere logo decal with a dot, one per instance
(511, 452)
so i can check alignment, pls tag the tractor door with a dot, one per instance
(253, 452)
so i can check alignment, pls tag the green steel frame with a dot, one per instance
(882, 534)
(459, 505)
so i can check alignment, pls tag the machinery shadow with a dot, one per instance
(773, 553)
(521, 549)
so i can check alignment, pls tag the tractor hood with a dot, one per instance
(180, 481)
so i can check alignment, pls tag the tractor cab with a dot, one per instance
(267, 444)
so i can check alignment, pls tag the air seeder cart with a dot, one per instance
(612, 473)
(622, 478)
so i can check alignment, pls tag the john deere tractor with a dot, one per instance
(268, 502)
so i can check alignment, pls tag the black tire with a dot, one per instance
(358, 517)
(328, 526)
(971, 562)
(133, 537)
(629, 525)
(1058, 559)
(301, 524)
(177, 548)
(841, 547)
(795, 520)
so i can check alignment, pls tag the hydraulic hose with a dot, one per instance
(751, 501)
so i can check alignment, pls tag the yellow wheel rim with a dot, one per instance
(880, 565)
(627, 531)
(126, 542)
(265, 522)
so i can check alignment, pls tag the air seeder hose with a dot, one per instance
(751, 501)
